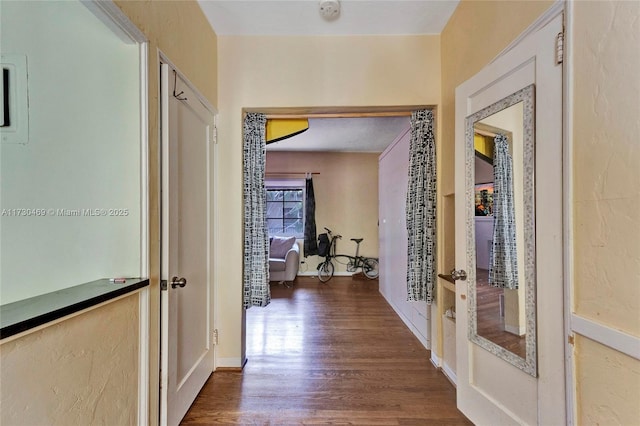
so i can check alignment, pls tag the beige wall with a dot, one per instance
(263, 72)
(83, 370)
(606, 155)
(346, 197)
(181, 31)
(608, 385)
(606, 203)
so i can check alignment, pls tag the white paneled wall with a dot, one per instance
(393, 179)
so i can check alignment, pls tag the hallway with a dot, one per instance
(333, 353)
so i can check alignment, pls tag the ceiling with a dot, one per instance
(369, 134)
(302, 17)
(357, 17)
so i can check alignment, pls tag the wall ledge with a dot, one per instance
(23, 315)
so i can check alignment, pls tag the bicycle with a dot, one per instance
(326, 268)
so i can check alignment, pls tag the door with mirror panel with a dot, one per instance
(509, 328)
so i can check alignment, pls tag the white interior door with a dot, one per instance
(187, 355)
(491, 390)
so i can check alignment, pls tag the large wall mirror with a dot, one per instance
(500, 189)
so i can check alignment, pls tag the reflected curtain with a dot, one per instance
(256, 290)
(310, 241)
(503, 259)
(421, 208)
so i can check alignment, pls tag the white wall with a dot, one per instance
(83, 152)
(393, 182)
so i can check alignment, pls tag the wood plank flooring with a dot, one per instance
(490, 323)
(333, 353)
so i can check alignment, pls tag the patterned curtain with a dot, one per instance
(503, 259)
(421, 208)
(256, 238)
(310, 240)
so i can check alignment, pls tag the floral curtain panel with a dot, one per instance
(256, 290)
(421, 208)
(503, 259)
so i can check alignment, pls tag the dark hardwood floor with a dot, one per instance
(333, 353)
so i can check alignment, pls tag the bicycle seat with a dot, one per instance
(357, 240)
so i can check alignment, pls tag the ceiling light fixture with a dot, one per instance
(329, 9)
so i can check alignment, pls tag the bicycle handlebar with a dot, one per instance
(330, 233)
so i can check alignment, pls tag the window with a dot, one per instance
(285, 209)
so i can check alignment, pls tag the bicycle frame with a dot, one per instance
(369, 265)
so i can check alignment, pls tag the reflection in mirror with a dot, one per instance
(500, 187)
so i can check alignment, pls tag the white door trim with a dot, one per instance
(567, 208)
(164, 59)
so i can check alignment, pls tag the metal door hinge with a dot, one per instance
(215, 135)
(560, 48)
(163, 285)
(215, 336)
(571, 339)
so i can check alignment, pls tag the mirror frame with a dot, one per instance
(526, 95)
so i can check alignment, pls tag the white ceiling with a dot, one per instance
(302, 17)
(372, 134)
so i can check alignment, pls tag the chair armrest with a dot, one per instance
(292, 261)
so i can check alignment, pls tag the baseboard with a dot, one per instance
(228, 363)
(449, 374)
(518, 331)
(435, 360)
(229, 370)
(315, 274)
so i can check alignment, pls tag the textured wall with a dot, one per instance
(180, 30)
(607, 157)
(608, 385)
(606, 193)
(83, 370)
(257, 72)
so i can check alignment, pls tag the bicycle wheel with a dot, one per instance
(325, 271)
(370, 268)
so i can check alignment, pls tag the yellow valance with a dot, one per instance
(484, 145)
(283, 128)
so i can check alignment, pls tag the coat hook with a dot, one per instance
(178, 95)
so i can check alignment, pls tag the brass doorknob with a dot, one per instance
(175, 282)
(459, 275)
